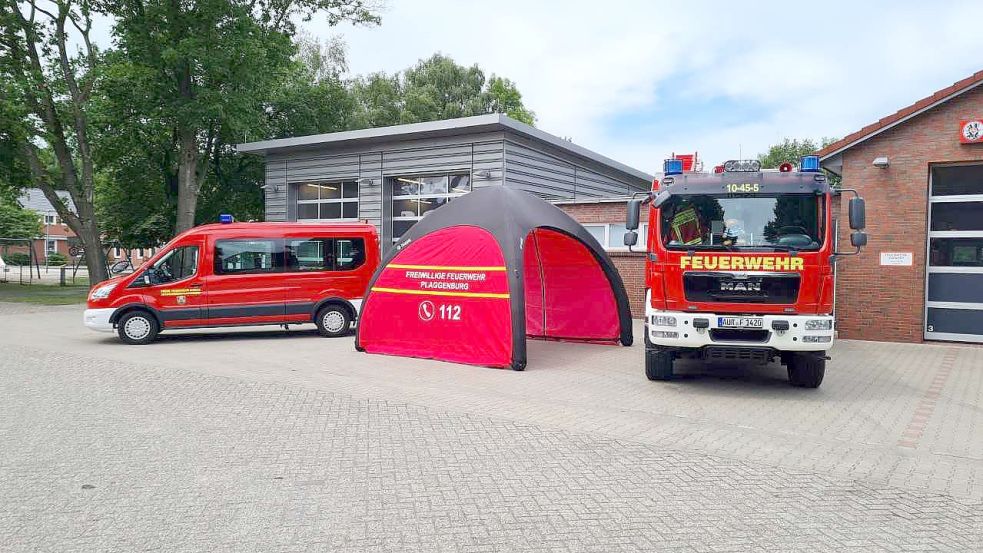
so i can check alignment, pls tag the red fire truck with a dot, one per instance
(740, 266)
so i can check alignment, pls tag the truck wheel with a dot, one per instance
(333, 321)
(806, 370)
(137, 328)
(658, 364)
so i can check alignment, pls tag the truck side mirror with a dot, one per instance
(858, 213)
(631, 218)
(858, 239)
(631, 238)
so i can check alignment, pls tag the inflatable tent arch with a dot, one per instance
(473, 279)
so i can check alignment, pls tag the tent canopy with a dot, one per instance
(473, 279)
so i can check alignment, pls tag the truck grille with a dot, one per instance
(720, 353)
(738, 335)
(741, 287)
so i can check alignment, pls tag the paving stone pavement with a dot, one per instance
(106, 447)
(104, 456)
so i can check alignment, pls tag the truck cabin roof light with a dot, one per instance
(672, 167)
(785, 167)
(226, 219)
(742, 166)
(809, 164)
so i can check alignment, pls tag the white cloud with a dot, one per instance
(807, 70)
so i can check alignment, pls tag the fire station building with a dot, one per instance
(921, 172)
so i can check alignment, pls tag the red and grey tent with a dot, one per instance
(473, 279)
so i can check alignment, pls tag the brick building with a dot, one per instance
(921, 172)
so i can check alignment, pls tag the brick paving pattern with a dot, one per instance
(100, 456)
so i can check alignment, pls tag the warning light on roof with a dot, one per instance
(718, 169)
(226, 219)
(809, 164)
(672, 167)
(785, 167)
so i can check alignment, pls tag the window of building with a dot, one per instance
(50, 246)
(318, 201)
(178, 264)
(247, 256)
(612, 235)
(414, 197)
(325, 254)
(50, 219)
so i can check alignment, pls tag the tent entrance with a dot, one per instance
(567, 294)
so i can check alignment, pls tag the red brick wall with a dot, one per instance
(888, 303)
(631, 265)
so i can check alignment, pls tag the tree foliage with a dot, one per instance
(791, 150)
(17, 222)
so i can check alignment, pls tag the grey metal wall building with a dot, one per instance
(391, 176)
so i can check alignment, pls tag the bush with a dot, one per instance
(56, 258)
(17, 259)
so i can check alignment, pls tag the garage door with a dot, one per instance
(954, 291)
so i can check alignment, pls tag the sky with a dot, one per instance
(639, 80)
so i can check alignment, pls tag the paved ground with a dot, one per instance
(273, 440)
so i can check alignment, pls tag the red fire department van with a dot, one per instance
(238, 274)
(740, 266)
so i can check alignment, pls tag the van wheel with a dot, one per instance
(658, 364)
(333, 321)
(137, 328)
(806, 370)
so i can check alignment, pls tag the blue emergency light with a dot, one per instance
(226, 219)
(809, 164)
(672, 167)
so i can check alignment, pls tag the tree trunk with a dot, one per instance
(95, 257)
(187, 178)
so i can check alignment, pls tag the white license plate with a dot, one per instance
(740, 322)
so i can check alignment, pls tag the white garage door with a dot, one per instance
(954, 288)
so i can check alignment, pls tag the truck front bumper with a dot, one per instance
(683, 334)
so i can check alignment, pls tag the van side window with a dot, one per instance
(178, 264)
(325, 254)
(247, 256)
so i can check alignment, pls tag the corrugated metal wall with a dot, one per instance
(496, 157)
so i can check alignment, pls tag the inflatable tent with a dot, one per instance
(473, 279)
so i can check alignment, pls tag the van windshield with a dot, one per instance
(778, 222)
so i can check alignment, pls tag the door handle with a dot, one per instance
(196, 286)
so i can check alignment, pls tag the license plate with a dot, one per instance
(740, 322)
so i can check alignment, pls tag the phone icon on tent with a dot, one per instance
(427, 310)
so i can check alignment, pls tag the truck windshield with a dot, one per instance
(730, 222)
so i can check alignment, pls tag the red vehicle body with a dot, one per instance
(242, 274)
(740, 266)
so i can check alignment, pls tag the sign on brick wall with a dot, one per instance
(971, 131)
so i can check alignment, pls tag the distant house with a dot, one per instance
(55, 235)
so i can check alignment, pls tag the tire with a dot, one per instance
(806, 370)
(137, 328)
(333, 321)
(658, 364)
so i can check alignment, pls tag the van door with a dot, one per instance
(174, 287)
(324, 267)
(246, 286)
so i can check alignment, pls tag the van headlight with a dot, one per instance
(819, 324)
(102, 292)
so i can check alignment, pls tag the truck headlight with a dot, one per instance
(663, 320)
(816, 339)
(819, 324)
(102, 292)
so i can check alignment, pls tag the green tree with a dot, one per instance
(791, 150)
(204, 70)
(47, 94)
(17, 222)
(435, 88)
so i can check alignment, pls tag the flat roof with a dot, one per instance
(446, 127)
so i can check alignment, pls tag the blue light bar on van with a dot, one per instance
(672, 167)
(809, 164)
(226, 219)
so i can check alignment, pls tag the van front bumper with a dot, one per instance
(99, 319)
(683, 334)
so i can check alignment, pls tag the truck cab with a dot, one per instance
(740, 266)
